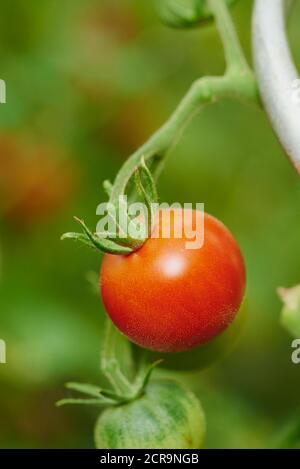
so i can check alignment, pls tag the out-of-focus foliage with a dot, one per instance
(87, 82)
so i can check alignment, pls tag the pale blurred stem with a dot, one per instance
(238, 82)
(110, 364)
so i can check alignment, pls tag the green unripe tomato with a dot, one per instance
(165, 416)
(185, 13)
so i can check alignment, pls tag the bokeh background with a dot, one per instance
(87, 83)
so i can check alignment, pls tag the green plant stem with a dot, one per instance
(110, 363)
(234, 55)
(238, 82)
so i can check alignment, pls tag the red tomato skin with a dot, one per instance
(167, 298)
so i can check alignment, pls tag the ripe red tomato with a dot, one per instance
(168, 298)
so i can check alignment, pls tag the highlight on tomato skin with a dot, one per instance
(167, 298)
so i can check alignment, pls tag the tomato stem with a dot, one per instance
(238, 82)
(110, 364)
(234, 55)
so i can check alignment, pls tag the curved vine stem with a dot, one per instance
(234, 55)
(238, 81)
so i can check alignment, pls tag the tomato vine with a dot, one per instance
(238, 82)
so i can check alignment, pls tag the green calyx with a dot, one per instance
(110, 397)
(126, 382)
(120, 240)
(186, 13)
(93, 240)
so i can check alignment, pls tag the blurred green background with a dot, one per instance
(87, 83)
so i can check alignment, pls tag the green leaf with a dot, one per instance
(148, 372)
(84, 388)
(146, 187)
(103, 244)
(185, 13)
(149, 183)
(290, 314)
(144, 375)
(96, 242)
(78, 237)
(99, 396)
(94, 391)
(98, 402)
(179, 13)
